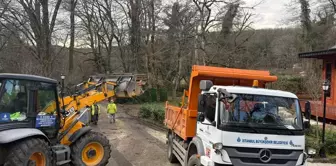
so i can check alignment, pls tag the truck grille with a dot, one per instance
(241, 156)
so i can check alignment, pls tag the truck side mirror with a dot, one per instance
(201, 117)
(201, 103)
(205, 85)
(307, 110)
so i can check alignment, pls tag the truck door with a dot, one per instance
(205, 130)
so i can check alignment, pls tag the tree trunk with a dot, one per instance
(135, 32)
(196, 46)
(72, 34)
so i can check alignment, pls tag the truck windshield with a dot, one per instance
(262, 111)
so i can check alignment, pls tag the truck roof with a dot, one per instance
(224, 77)
(254, 91)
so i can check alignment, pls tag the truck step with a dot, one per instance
(179, 147)
(179, 151)
(62, 154)
(179, 158)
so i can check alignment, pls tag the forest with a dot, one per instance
(162, 39)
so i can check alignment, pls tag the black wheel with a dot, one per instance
(31, 151)
(92, 149)
(194, 161)
(171, 156)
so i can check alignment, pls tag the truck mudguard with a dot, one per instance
(199, 145)
(196, 141)
(79, 133)
(12, 135)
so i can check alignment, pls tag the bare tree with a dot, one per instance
(180, 34)
(135, 32)
(4, 4)
(333, 4)
(88, 13)
(205, 20)
(32, 19)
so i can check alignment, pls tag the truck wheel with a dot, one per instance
(171, 156)
(91, 149)
(194, 161)
(32, 151)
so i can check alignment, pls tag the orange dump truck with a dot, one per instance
(227, 120)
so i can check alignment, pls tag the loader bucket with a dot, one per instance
(128, 84)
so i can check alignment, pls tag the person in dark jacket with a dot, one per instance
(95, 111)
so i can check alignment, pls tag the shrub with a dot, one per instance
(159, 113)
(314, 141)
(145, 111)
(154, 111)
(148, 96)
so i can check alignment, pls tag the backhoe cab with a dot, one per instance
(34, 131)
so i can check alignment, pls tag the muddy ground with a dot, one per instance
(136, 143)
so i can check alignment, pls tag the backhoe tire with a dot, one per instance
(171, 156)
(91, 149)
(27, 152)
(194, 161)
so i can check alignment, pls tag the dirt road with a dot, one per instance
(133, 143)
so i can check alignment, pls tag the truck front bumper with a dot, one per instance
(206, 161)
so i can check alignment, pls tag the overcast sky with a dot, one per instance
(270, 14)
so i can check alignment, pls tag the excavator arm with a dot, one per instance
(104, 89)
(99, 88)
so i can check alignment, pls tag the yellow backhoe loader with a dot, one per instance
(39, 126)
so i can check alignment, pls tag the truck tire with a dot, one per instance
(91, 149)
(31, 151)
(171, 156)
(194, 161)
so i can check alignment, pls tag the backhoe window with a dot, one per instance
(46, 108)
(13, 101)
(46, 102)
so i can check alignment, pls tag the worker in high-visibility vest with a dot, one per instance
(111, 110)
(95, 111)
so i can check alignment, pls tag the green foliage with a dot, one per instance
(177, 102)
(154, 111)
(313, 140)
(150, 95)
(145, 111)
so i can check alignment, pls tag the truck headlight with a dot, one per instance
(217, 146)
(311, 151)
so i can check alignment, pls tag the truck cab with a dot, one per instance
(231, 118)
(250, 126)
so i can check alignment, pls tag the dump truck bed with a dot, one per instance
(182, 120)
